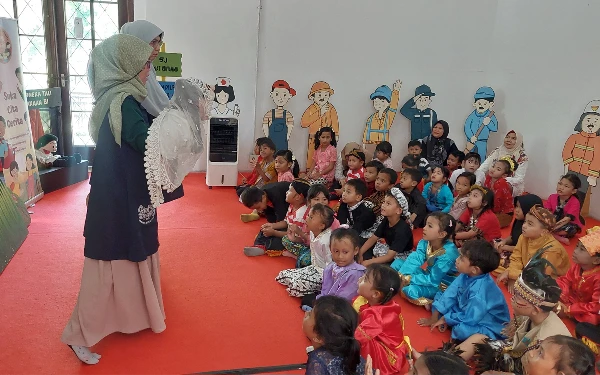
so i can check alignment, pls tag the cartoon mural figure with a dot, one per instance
(581, 154)
(417, 110)
(377, 129)
(481, 122)
(319, 114)
(278, 122)
(224, 94)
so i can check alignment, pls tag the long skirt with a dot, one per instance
(116, 296)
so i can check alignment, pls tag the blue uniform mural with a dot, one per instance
(481, 122)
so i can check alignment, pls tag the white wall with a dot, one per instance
(217, 38)
(538, 55)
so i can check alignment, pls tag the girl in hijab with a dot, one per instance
(512, 147)
(437, 146)
(156, 100)
(120, 285)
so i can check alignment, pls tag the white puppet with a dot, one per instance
(174, 142)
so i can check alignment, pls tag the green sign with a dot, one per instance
(44, 98)
(168, 64)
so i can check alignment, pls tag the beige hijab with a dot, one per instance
(113, 76)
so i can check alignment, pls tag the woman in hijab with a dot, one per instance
(437, 146)
(156, 100)
(512, 147)
(120, 285)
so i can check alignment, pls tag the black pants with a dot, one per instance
(270, 243)
(588, 330)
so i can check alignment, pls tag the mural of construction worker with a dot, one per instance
(417, 111)
(278, 122)
(377, 129)
(319, 114)
(581, 154)
(481, 122)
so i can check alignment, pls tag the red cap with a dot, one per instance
(284, 85)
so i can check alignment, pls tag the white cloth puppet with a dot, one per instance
(174, 142)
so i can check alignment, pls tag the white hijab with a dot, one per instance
(157, 99)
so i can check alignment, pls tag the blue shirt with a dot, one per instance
(442, 201)
(473, 305)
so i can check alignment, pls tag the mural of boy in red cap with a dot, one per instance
(377, 129)
(278, 122)
(319, 114)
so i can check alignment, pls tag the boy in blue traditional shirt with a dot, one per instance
(473, 303)
(437, 250)
(481, 122)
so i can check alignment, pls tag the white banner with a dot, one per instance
(17, 154)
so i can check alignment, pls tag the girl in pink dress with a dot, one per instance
(286, 166)
(324, 157)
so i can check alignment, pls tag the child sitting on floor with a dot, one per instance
(271, 202)
(340, 277)
(580, 298)
(566, 208)
(317, 193)
(266, 174)
(461, 194)
(478, 220)
(473, 303)
(306, 280)
(536, 238)
(436, 192)
(417, 206)
(383, 153)
(535, 295)
(438, 362)
(381, 326)
(330, 328)
(286, 166)
(269, 239)
(412, 162)
(415, 149)
(372, 169)
(438, 252)
(251, 180)
(471, 164)
(393, 229)
(455, 160)
(503, 198)
(356, 162)
(556, 355)
(523, 204)
(354, 211)
(324, 157)
(383, 183)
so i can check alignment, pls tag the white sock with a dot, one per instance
(85, 355)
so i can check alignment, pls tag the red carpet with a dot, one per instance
(224, 310)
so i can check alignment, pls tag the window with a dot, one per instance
(30, 18)
(100, 20)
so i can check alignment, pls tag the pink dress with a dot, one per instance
(323, 158)
(286, 176)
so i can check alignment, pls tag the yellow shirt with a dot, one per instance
(526, 248)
